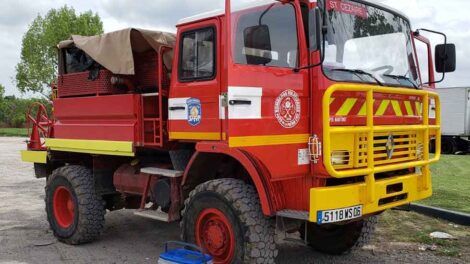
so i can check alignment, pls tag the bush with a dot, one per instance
(13, 110)
(18, 121)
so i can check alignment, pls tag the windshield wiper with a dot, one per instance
(358, 71)
(402, 77)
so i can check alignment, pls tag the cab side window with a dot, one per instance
(267, 37)
(197, 55)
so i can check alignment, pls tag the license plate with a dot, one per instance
(338, 215)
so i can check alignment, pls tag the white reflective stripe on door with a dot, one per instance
(180, 114)
(251, 109)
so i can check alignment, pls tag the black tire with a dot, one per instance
(432, 146)
(87, 222)
(448, 145)
(253, 233)
(340, 239)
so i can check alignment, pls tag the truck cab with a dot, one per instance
(303, 88)
(311, 113)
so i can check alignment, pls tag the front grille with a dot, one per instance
(404, 149)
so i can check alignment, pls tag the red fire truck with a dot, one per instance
(311, 115)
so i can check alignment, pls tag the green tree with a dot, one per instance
(13, 110)
(375, 24)
(2, 92)
(38, 66)
(2, 104)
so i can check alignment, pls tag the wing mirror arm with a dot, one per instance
(445, 55)
(321, 29)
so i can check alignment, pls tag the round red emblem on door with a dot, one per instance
(287, 109)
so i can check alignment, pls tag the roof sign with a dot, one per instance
(347, 7)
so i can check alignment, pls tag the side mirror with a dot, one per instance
(315, 26)
(445, 57)
(257, 45)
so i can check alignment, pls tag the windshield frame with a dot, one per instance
(418, 82)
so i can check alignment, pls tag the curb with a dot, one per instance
(452, 216)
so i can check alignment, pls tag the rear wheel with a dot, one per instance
(224, 217)
(339, 239)
(432, 146)
(74, 211)
(448, 145)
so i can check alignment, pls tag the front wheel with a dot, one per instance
(74, 211)
(339, 239)
(224, 218)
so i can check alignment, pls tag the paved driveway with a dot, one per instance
(25, 236)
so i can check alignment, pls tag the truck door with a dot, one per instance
(268, 106)
(194, 95)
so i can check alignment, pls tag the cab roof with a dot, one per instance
(201, 16)
(221, 12)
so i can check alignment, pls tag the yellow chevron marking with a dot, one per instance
(396, 108)
(418, 109)
(363, 110)
(346, 107)
(409, 109)
(382, 108)
(332, 100)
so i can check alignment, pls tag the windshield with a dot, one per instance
(367, 44)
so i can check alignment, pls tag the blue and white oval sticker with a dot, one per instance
(194, 111)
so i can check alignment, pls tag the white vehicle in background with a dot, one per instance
(455, 105)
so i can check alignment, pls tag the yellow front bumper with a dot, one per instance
(336, 197)
(375, 194)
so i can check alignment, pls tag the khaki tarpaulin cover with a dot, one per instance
(114, 50)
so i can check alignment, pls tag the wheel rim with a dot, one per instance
(64, 207)
(215, 235)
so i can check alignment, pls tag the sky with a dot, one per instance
(450, 17)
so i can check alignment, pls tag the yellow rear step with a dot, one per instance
(34, 156)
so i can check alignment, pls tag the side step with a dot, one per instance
(175, 181)
(161, 172)
(153, 214)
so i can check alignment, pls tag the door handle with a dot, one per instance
(239, 102)
(176, 108)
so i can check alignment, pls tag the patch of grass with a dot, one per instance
(451, 183)
(410, 227)
(444, 247)
(14, 132)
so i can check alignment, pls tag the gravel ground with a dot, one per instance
(25, 236)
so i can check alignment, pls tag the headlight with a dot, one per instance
(339, 158)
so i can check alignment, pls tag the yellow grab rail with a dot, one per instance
(370, 130)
